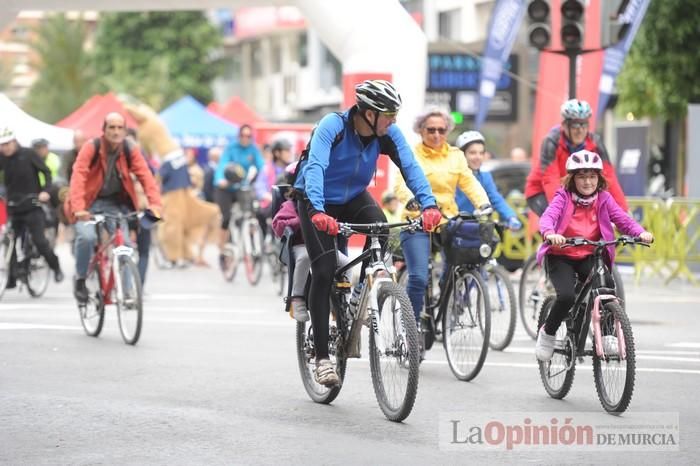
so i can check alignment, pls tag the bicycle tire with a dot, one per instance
(530, 296)
(563, 361)
(92, 313)
(503, 308)
(403, 341)
(229, 265)
(252, 238)
(466, 280)
(5, 261)
(612, 312)
(39, 269)
(306, 359)
(129, 300)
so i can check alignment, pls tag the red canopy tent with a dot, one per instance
(89, 117)
(236, 111)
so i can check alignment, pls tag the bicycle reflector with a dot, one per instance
(485, 250)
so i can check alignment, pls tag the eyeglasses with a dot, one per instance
(577, 124)
(436, 130)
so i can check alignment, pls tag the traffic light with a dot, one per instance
(572, 25)
(618, 23)
(538, 32)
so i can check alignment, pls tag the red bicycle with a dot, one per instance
(113, 278)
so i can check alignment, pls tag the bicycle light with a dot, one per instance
(485, 250)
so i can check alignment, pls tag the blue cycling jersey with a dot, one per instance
(246, 156)
(336, 173)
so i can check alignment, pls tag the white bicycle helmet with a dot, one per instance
(467, 137)
(584, 160)
(6, 134)
(379, 95)
(575, 109)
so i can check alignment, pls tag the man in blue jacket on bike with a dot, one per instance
(332, 181)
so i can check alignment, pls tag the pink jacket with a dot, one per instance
(287, 217)
(558, 215)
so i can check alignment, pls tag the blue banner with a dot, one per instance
(615, 56)
(503, 28)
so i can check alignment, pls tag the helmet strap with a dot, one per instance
(372, 126)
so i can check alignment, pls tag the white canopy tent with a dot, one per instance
(27, 128)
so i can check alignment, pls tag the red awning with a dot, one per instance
(89, 117)
(236, 111)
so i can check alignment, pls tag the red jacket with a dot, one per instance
(546, 175)
(86, 181)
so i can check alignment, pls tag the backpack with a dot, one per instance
(305, 153)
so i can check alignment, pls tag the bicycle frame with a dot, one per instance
(101, 259)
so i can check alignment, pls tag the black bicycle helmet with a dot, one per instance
(378, 95)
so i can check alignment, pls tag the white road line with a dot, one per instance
(146, 309)
(684, 344)
(23, 326)
(657, 355)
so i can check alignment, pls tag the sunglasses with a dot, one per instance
(390, 114)
(436, 130)
(577, 124)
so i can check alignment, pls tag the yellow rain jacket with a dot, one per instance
(446, 170)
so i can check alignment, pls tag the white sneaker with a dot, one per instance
(325, 373)
(544, 349)
(301, 313)
(610, 345)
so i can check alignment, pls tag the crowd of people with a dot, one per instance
(131, 169)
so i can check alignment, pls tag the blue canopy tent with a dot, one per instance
(192, 125)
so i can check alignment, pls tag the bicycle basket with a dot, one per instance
(463, 240)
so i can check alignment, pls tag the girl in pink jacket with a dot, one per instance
(581, 208)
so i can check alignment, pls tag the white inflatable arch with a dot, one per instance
(371, 38)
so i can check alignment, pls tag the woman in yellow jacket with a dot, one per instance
(446, 170)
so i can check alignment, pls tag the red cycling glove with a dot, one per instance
(431, 218)
(325, 223)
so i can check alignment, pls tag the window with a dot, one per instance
(331, 70)
(303, 50)
(448, 24)
(256, 59)
(276, 56)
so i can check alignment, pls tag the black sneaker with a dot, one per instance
(80, 291)
(58, 275)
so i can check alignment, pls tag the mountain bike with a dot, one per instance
(534, 288)
(246, 239)
(598, 307)
(394, 353)
(28, 266)
(113, 278)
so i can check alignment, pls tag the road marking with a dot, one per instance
(684, 344)
(146, 309)
(23, 326)
(643, 354)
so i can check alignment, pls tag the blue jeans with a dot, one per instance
(416, 253)
(86, 235)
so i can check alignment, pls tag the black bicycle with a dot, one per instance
(597, 306)
(457, 313)
(28, 267)
(394, 353)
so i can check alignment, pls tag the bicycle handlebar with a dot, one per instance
(376, 228)
(624, 240)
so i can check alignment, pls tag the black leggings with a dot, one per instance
(225, 200)
(35, 222)
(322, 253)
(562, 272)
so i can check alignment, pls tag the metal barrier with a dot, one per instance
(675, 224)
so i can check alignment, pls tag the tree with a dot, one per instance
(158, 56)
(65, 74)
(660, 75)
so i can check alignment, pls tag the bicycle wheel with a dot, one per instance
(129, 300)
(252, 250)
(229, 262)
(5, 260)
(503, 307)
(557, 374)
(614, 373)
(92, 313)
(38, 275)
(306, 357)
(466, 324)
(532, 291)
(394, 354)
